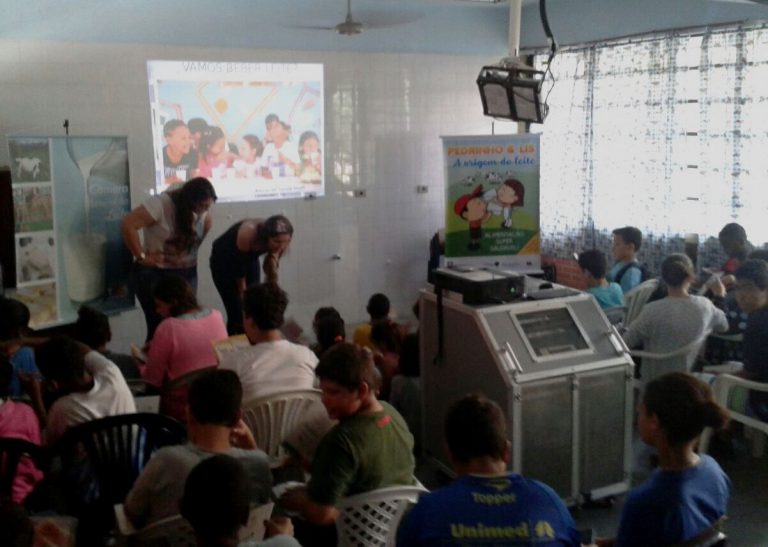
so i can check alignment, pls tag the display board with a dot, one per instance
(255, 130)
(69, 197)
(492, 197)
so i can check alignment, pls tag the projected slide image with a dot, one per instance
(254, 129)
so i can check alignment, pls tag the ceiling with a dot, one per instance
(421, 26)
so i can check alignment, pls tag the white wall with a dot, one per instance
(384, 114)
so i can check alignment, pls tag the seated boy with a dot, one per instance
(378, 310)
(88, 386)
(92, 329)
(486, 504)
(593, 266)
(216, 503)
(369, 448)
(752, 296)
(214, 427)
(14, 320)
(627, 271)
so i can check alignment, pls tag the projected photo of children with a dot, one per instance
(254, 130)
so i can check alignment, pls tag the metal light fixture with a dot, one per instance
(512, 90)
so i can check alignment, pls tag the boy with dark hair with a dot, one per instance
(88, 385)
(593, 266)
(216, 504)
(378, 309)
(369, 448)
(733, 239)
(752, 296)
(14, 321)
(486, 503)
(214, 427)
(627, 271)
(178, 157)
(92, 329)
(271, 364)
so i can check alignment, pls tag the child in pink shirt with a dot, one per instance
(18, 421)
(181, 343)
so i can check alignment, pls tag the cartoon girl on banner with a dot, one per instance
(502, 199)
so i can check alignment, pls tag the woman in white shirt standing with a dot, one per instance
(174, 224)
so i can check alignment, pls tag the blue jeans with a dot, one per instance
(146, 277)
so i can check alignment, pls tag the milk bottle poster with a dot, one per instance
(492, 196)
(255, 130)
(70, 195)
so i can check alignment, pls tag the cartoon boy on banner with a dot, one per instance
(473, 208)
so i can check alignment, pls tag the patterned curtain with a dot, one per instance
(667, 132)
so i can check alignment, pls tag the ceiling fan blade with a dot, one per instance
(310, 27)
(380, 19)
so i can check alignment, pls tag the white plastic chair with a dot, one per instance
(655, 364)
(371, 519)
(272, 417)
(175, 531)
(638, 297)
(722, 387)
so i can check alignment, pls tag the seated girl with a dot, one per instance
(18, 421)
(688, 494)
(674, 321)
(182, 342)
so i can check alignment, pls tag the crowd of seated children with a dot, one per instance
(593, 265)
(92, 329)
(627, 271)
(486, 504)
(214, 427)
(182, 342)
(674, 321)
(329, 329)
(86, 385)
(217, 501)
(271, 364)
(751, 291)
(378, 310)
(369, 448)
(689, 492)
(18, 421)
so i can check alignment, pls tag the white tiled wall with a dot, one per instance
(384, 116)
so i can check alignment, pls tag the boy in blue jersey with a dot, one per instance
(486, 505)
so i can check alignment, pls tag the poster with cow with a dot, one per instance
(492, 199)
(69, 197)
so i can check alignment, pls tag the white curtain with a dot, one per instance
(666, 132)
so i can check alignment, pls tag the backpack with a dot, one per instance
(645, 275)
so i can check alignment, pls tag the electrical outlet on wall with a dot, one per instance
(359, 193)
(422, 189)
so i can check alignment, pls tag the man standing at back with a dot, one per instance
(486, 505)
(627, 271)
(271, 364)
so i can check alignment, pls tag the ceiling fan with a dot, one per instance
(350, 27)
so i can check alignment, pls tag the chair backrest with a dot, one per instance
(272, 417)
(638, 297)
(173, 531)
(615, 314)
(371, 519)
(722, 388)
(11, 453)
(117, 448)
